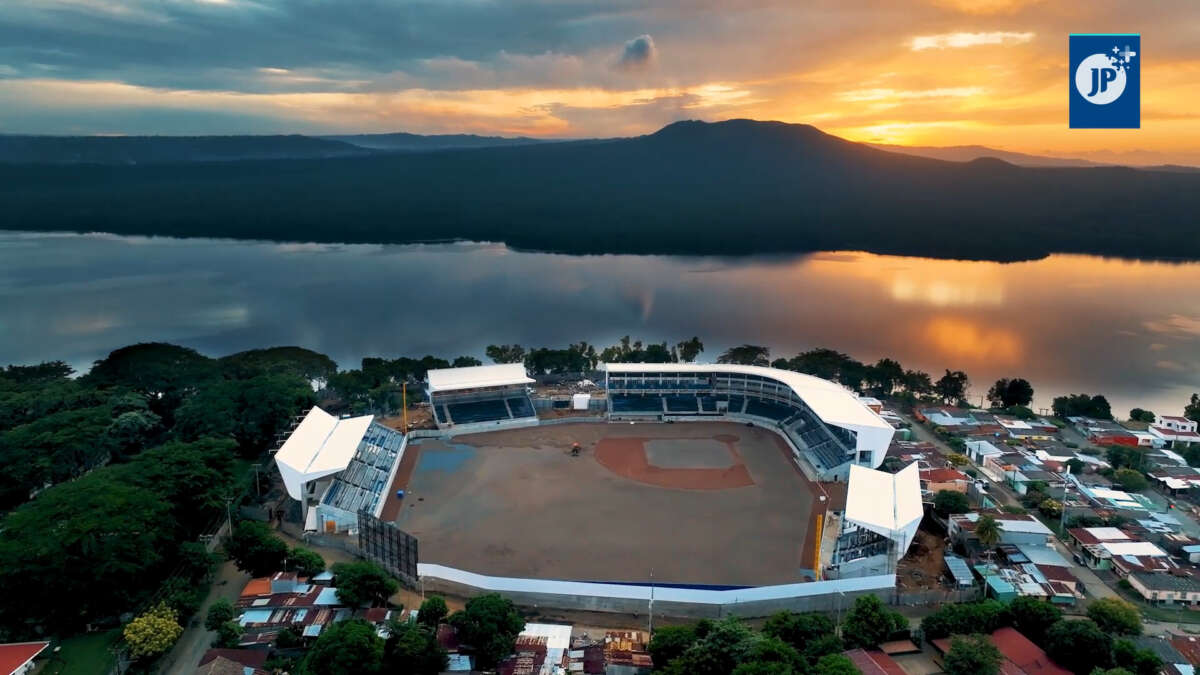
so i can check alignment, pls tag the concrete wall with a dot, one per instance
(679, 602)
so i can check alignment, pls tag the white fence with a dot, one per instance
(667, 600)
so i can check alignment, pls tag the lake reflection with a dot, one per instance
(1130, 330)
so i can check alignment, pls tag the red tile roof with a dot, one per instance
(16, 654)
(251, 658)
(1187, 645)
(1026, 655)
(943, 475)
(874, 662)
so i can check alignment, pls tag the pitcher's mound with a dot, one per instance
(685, 463)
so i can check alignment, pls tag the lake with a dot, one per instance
(1127, 329)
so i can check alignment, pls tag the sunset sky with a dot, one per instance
(921, 72)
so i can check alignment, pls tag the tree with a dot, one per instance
(255, 549)
(1131, 480)
(1139, 415)
(1033, 617)
(305, 563)
(1006, 393)
(1192, 409)
(1079, 645)
(799, 630)
(952, 387)
(465, 362)
(166, 374)
(763, 668)
(218, 613)
(746, 355)
(433, 611)
(1137, 660)
(917, 383)
(947, 502)
(131, 432)
(490, 625)
(1115, 616)
(363, 583)
(349, 647)
(883, 377)
(253, 411)
(718, 652)
(835, 664)
(505, 353)
(304, 363)
(153, 633)
(669, 642)
(972, 655)
(966, 618)
(869, 623)
(1076, 466)
(413, 648)
(690, 349)
(229, 634)
(988, 531)
(1082, 405)
(776, 652)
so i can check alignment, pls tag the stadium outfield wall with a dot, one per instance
(676, 601)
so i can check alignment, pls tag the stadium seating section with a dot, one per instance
(773, 411)
(487, 410)
(520, 407)
(682, 404)
(637, 404)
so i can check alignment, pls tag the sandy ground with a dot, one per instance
(516, 503)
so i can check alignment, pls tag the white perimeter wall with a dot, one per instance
(682, 602)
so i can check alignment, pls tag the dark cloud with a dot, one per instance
(638, 53)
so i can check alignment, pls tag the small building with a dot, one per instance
(1020, 654)
(1166, 589)
(874, 662)
(233, 662)
(936, 480)
(1015, 528)
(16, 658)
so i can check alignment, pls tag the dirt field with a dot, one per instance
(516, 503)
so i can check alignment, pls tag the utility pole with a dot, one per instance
(1062, 525)
(404, 402)
(650, 625)
(228, 517)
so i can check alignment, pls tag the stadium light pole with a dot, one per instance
(650, 625)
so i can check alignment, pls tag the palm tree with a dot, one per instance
(988, 532)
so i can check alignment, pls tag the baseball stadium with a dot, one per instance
(685, 476)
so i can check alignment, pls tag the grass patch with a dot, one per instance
(86, 654)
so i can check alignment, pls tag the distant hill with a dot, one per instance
(728, 188)
(417, 143)
(966, 153)
(158, 149)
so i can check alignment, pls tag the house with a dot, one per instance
(233, 662)
(978, 451)
(936, 480)
(1104, 432)
(1175, 432)
(16, 658)
(1188, 645)
(1166, 589)
(1015, 528)
(873, 662)
(1021, 656)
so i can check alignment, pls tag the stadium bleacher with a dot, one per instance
(636, 404)
(708, 404)
(682, 404)
(773, 411)
(478, 411)
(521, 407)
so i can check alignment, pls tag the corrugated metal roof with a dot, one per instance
(474, 377)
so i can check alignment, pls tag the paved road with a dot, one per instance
(184, 657)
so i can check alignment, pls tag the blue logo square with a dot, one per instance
(1104, 81)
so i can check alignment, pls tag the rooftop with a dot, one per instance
(16, 654)
(1157, 581)
(477, 377)
(886, 504)
(321, 445)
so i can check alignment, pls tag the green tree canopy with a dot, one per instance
(689, 349)
(835, 664)
(505, 353)
(1140, 661)
(869, 623)
(166, 374)
(966, 618)
(952, 387)
(1131, 480)
(1033, 617)
(972, 655)
(798, 629)
(413, 649)
(1006, 393)
(669, 642)
(306, 364)
(746, 355)
(947, 502)
(304, 562)
(987, 529)
(348, 647)
(1079, 646)
(363, 583)
(255, 549)
(1082, 405)
(218, 613)
(718, 652)
(490, 625)
(252, 411)
(1115, 616)
(1140, 415)
(433, 611)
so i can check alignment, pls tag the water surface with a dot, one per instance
(1130, 330)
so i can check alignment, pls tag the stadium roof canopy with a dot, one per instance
(321, 445)
(477, 377)
(832, 402)
(886, 504)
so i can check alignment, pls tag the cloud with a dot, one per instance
(883, 94)
(639, 53)
(959, 40)
(1176, 324)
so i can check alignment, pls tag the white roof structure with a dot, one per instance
(320, 446)
(1107, 533)
(832, 402)
(886, 504)
(1133, 548)
(475, 377)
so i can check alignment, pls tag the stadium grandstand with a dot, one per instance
(883, 512)
(827, 426)
(336, 467)
(480, 398)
